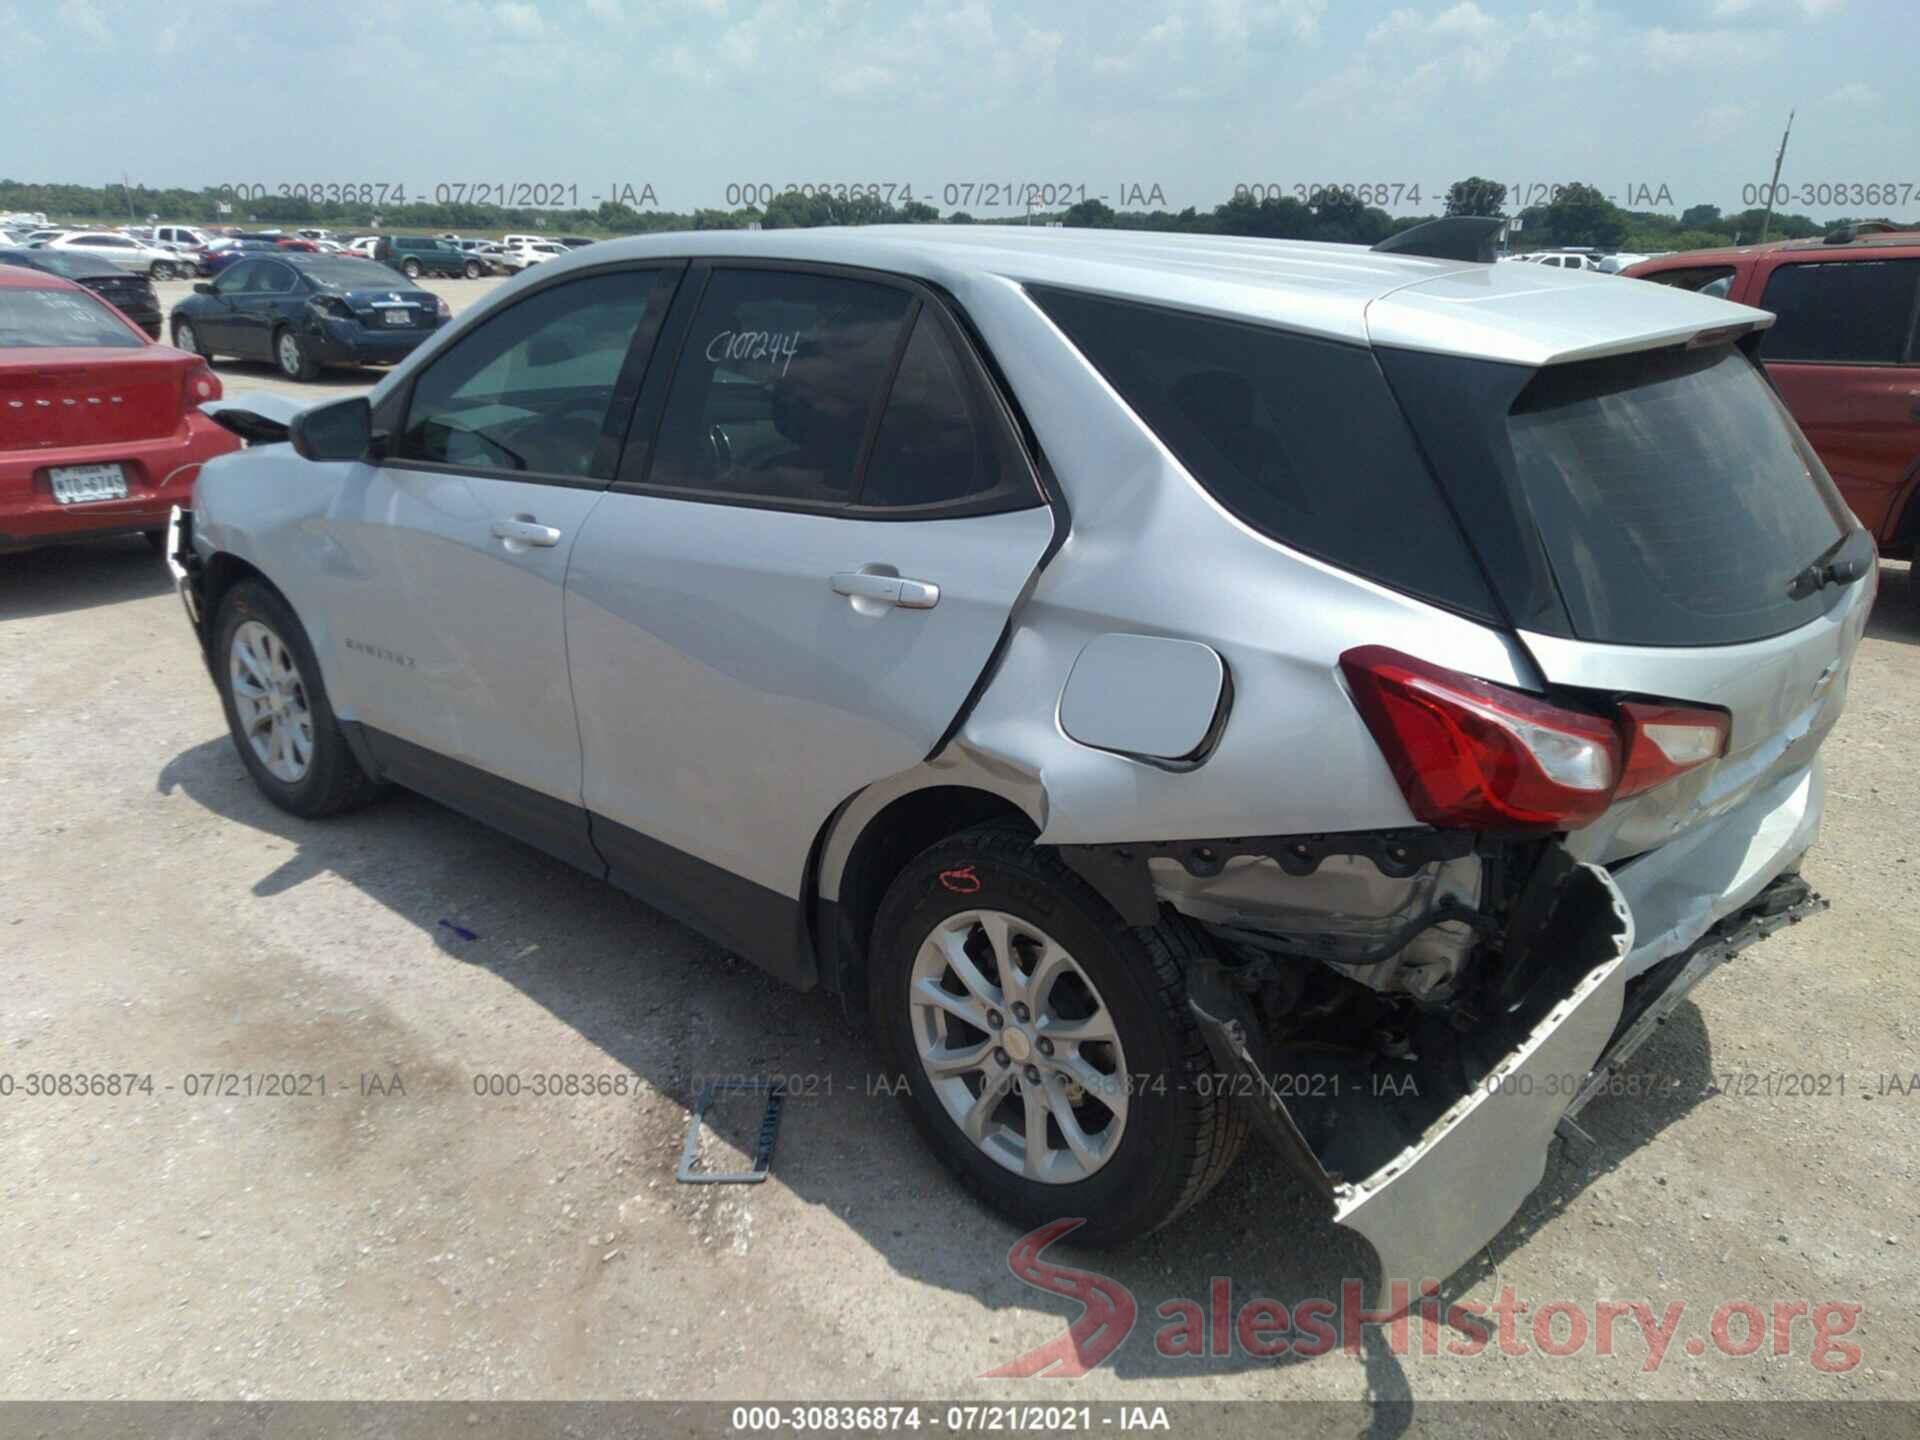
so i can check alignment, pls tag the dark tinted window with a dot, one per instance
(1298, 437)
(777, 384)
(940, 440)
(1674, 496)
(37, 319)
(1857, 310)
(344, 274)
(531, 388)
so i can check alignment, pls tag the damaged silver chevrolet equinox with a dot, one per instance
(1175, 686)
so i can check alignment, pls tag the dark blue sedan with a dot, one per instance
(304, 311)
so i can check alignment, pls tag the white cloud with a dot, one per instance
(1723, 50)
(1855, 92)
(519, 19)
(1720, 121)
(1774, 9)
(606, 9)
(84, 17)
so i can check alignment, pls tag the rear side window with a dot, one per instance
(777, 385)
(1674, 497)
(44, 319)
(940, 442)
(1849, 311)
(531, 389)
(1298, 437)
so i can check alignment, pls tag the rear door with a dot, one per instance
(453, 548)
(822, 525)
(1843, 356)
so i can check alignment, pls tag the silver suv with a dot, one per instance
(1175, 686)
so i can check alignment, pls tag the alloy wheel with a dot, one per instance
(1019, 1046)
(271, 700)
(290, 354)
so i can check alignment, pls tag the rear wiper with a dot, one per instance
(1829, 569)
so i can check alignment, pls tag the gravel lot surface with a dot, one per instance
(403, 1237)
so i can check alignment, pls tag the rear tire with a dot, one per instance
(157, 539)
(1178, 1134)
(161, 271)
(276, 684)
(411, 269)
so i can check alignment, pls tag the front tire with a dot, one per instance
(290, 353)
(1048, 1054)
(186, 338)
(473, 270)
(277, 708)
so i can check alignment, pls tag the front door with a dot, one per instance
(452, 650)
(791, 592)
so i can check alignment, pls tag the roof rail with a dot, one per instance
(1846, 234)
(1451, 237)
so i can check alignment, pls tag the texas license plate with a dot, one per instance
(399, 317)
(82, 484)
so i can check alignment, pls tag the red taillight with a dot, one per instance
(202, 385)
(1665, 741)
(1470, 755)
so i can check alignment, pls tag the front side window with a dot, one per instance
(531, 388)
(777, 384)
(1849, 311)
(239, 278)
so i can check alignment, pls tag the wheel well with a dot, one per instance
(223, 572)
(891, 839)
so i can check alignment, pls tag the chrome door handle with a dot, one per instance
(890, 589)
(519, 531)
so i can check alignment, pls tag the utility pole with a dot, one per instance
(1774, 184)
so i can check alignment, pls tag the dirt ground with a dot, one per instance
(403, 1236)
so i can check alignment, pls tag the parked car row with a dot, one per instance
(162, 252)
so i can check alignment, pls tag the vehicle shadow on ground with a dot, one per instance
(59, 579)
(1896, 610)
(343, 379)
(660, 1001)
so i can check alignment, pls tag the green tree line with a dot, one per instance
(1579, 214)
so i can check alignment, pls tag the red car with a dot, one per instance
(100, 431)
(1844, 354)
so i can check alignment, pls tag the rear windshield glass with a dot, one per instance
(41, 319)
(1299, 437)
(348, 274)
(1674, 496)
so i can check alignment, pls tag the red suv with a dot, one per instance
(1844, 353)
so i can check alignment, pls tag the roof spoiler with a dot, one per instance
(1451, 237)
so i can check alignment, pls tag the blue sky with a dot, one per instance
(1192, 96)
